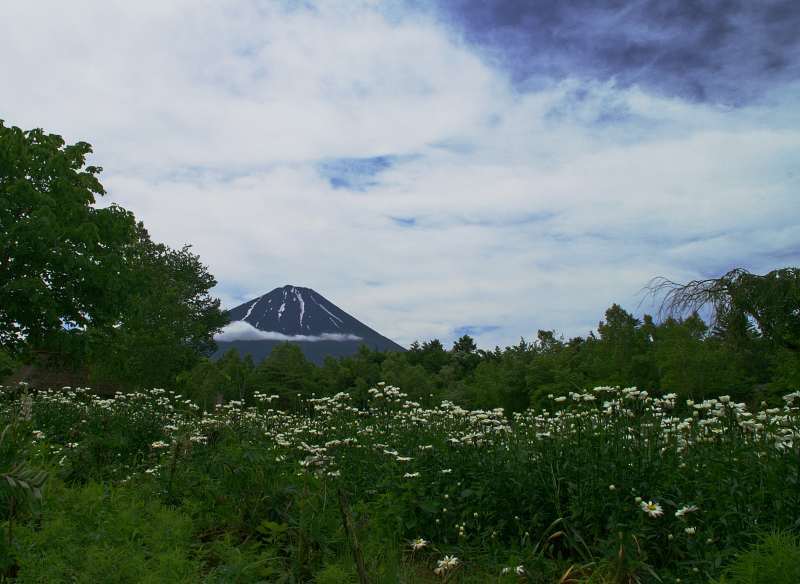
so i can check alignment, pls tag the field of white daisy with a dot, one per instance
(610, 485)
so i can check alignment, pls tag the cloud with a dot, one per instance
(240, 330)
(723, 51)
(349, 143)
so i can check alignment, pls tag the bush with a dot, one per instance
(98, 533)
(774, 560)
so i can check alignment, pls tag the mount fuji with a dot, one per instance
(297, 315)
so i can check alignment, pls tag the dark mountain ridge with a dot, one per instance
(298, 315)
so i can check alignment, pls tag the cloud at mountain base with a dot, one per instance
(240, 330)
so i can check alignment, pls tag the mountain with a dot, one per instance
(297, 315)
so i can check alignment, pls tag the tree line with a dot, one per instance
(677, 355)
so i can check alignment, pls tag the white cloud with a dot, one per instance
(533, 210)
(240, 330)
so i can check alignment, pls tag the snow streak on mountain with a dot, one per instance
(297, 314)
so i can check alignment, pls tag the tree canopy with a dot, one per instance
(771, 301)
(87, 283)
(167, 321)
(63, 261)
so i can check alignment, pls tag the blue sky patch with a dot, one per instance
(355, 174)
(404, 221)
(475, 329)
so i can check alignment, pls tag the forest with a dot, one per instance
(683, 356)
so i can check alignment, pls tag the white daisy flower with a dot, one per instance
(651, 508)
(685, 509)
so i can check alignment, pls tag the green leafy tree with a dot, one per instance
(619, 355)
(209, 382)
(681, 356)
(86, 286)
(466, 344)
(413, 379)
(433, 356)
(464, 359)
(62, 260)
(167, 324)
(204, 383)
(7, 365)
(285, 372)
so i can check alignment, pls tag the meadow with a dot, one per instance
(607, 485)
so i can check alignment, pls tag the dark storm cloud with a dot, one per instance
(723, 51)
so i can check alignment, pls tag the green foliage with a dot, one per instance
(285, 372)
(774, 560)
(85, 288)
(465, 344)
(100, 533)
(397, 370)
(7, 365)
(683, 356)
(739, 299)
(167, 324)
(21, 482)
(336, 574)
(677, 356)
(249, 494)
(62, 260)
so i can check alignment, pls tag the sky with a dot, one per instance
(435, 168)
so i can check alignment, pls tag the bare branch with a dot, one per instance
(679, 300)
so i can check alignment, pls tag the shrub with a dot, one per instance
(774, 560)
(99, 533)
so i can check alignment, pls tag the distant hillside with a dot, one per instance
(297, 315)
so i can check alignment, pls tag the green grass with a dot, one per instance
(774, 560)
(100, 533)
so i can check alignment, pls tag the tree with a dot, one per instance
(413, 379)
(690, 362)
(285, 372)
(204, 383)
(433, 355)
(621, 349)
(772, 301)
(7, 365)
(466, 344)
(547, 342)
(86, 287)
(63, 262)
(167, 323)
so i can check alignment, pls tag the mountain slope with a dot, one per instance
(298, 315)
